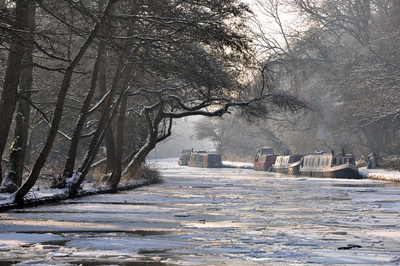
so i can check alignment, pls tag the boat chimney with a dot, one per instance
(333, 153)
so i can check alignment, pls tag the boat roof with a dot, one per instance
(330, 155)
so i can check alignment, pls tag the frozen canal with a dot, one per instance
(213, 217)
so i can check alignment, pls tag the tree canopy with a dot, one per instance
(113, 75)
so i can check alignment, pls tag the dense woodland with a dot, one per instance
(92, 84)
(343, 57)
(96, 84)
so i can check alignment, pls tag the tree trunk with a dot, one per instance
(76, 180)
(105, 123)
(19, 146)
(140, 157)
(13, 176)
(371, 141)
(22, 191)
(13, 71)
(109, 137)
(116, 173)
(73, 149)
(153, 139)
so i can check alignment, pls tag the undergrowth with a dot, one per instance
(146, 172)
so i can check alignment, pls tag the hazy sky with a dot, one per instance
(182, 138)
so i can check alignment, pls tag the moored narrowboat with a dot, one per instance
(264, 159)
(288, 164)
(329, 165)
(205, 159)
(184, 157)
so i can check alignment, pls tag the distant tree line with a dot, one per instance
(89, 81)
(344, 57)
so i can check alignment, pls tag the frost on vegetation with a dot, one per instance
(6, 199)
(145, 173)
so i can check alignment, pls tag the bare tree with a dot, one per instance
(169, 60)
(342, 57)
(24, 189)
(13, 178)
(19, 42)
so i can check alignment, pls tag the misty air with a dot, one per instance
(227, 132)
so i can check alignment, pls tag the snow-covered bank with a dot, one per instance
(44, 195)
(380, 174)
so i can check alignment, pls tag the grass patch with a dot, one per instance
(145, 172)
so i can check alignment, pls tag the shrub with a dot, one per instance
(146, 173)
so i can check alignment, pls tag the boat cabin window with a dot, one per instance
(345, 160)
(334, 161)
(340, 160)
(318, 161)
(323, 162)
(327, 162)
(351, 161)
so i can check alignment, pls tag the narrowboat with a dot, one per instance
(184, 157)
(264, 159)
(288, 164)
(205, 159)
(329, 165)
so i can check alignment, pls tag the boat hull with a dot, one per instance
(264, 162)
(204, 165)
(262, 166)
(346, 171)
(292, 169)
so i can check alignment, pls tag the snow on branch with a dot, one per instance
(280, 99)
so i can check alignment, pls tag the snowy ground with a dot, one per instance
(379, 174)
(223, 216)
